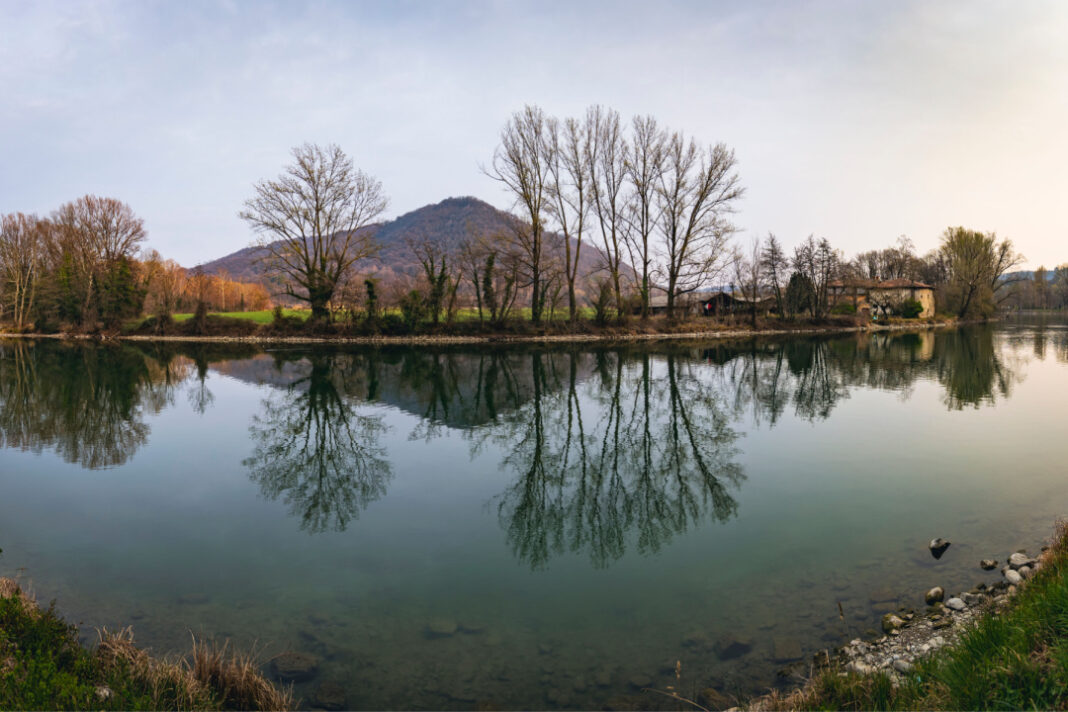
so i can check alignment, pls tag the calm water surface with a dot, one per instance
(526, 527)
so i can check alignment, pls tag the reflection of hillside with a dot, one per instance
(451, 388)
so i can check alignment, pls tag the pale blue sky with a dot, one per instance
(858, 121)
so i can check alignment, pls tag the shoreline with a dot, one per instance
(909, 636)
(497, 339)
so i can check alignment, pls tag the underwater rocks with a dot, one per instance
(934, 595)
(730, 646)
(294, 666)
(938, 547)
(330, 696)
(988, 564)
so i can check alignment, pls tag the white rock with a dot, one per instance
(1013, 577)
(1017, 560)
(936, 642)
(956, 604)
(902, 666)
(1026, 572)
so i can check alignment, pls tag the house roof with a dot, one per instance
(885, 284)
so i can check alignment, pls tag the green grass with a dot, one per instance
(260, 317)
(43, 666)
(1015, 660)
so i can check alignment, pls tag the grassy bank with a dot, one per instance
(43, 666)
(1013, 659)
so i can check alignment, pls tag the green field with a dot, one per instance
(260, 317)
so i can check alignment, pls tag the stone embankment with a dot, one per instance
(910, 635)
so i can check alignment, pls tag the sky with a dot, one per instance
(854, 121)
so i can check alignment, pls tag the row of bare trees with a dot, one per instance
(650, 198)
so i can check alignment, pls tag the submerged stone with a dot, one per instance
(785, 649)
(441, 628)
(294, 667)
(934, 595)
(988, 564)
(938, 547)
(712, 699)
(330, 696)
(730, 646)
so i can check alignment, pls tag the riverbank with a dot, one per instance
(43, 666)
(993, 647)
(685, 332)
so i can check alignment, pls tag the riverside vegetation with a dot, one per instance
(44, 666)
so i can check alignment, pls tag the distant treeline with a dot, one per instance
(82, 269)
(1046, 289)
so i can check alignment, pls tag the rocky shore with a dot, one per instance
(910, 634)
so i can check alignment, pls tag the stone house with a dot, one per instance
(881, 298)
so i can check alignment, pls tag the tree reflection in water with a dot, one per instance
(86, 402)
(644, 447)
(316, 450)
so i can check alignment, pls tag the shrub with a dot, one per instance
(911, 309)
(844, 308)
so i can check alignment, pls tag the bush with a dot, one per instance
(911, 309)
(843, 308)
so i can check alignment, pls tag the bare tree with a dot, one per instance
(818, 263)
(94, 236)
(22, 240)
(607, 159)
(749, 275)
(775, 265)
(695, 194)
(521, 163)
(309, 220)
(570, 189)
(645, 163)
(433, 257)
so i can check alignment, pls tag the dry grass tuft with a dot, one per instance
(10, 588)
(236, 678)
(165, 681)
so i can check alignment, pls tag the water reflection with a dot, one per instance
(87, 403)
(604, 449)
(642, 448)
(314, 448)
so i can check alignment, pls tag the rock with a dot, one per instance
(860, 667)
(697, 641)
(938, 547)
(193, 599)
(330, 696)
(712, 699)
(730, 646)
(1013, 577)
(785, 649)
(934, 596)
(1026, 571)
(1020, 559)
(472, 627)
(103, 692)
(936, 642)
(640, 681)
(902, 666)
(892, 622)
(971, 598)
(603, 677)
(882, 595)
(441, 628)
(294, 667)
(956, 604)
(988, 564)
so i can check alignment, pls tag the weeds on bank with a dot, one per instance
(1017, 659)
(43, 666)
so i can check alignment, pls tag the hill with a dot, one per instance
(447, 223)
